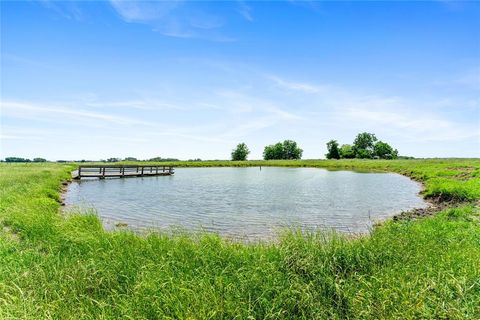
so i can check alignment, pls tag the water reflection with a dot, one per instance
(248, 202)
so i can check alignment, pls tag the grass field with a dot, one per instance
(68, 267)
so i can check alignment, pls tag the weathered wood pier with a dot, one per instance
(121, 171)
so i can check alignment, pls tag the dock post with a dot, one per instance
(156, 170)
(103, 172)
(142, 171)
(79, 172)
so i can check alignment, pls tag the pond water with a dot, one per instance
(248, 203)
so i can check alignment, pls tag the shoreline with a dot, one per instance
(433, 205)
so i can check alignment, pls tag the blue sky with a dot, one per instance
(93, 80)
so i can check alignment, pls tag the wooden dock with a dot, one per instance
(121, 171)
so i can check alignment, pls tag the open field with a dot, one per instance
(57, 266)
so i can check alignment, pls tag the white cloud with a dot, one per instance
(398, 116)
(298, 86)
(66, 9)
(135, 104)
(180, 19)
(239, 102)
(245, 10)
(415, 127)
(29, 110)
(262, 110)
(143, 11)
(10, 137)
(468, 79)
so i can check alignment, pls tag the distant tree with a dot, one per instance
(160, 159)
(39, 160)
(113, 159)
(287, 150)
(383, 150)
(333, 151)
(240, 153)
(346, 151)
(363, 145)
(130, 159)
(16, 159)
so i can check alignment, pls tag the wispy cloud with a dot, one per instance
(414, 126)
(135, 104)
(29, 110)
(249, 127)
(468, 79)
(67, 9)
(11, 137)
(298, 86)
(399, 116)
(239, 102)
(174, 18)
(137, 11)
(245, 10)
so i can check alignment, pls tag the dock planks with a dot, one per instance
(121, 171)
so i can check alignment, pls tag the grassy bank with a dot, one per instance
(55, 266)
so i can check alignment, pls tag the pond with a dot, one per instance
(248, 203)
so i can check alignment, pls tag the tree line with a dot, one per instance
(286, 150)
(156, 159)
(18, 159)
(365, 146)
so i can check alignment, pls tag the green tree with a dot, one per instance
(273, 152)
(363, 145)
(291, 151)
(240, 153)
(287, 150)
(384, 151)
(346, 151)
(39, 160)
(333, 151)
(130, 159)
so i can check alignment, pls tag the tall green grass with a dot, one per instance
(68, 267)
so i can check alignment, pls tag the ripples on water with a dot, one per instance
(248, 202)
